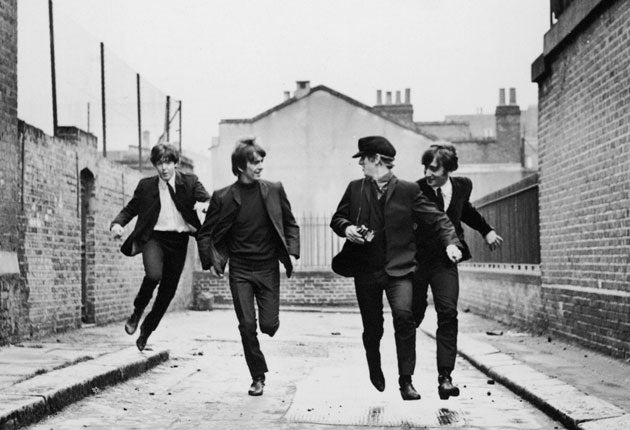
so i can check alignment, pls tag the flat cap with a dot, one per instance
(375, 145)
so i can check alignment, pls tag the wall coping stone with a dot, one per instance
(579, 13)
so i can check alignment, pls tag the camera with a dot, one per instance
(366, 234)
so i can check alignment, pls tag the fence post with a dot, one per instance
(53, 73)
(167, 124)
(180, 126)
(103, 111)
(139, 123)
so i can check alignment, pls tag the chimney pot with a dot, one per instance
(287, 95)
(512, 96)
(407, 96)
(379, 97)
(398, 101)
(501, 96)
(303, 88)
(388, 98)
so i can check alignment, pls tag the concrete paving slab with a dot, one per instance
(618, 423)
(474, 347)
(518, 373)
(58, 388)
(576, 406)
(19, 410)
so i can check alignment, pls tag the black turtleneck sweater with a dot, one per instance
(252, 234)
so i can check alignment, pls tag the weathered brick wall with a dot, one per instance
(504, 292)
(13, 295)
(303, 288)
(584, 151)
(52, 241)
(9, 173)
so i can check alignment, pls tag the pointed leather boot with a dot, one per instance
(446, 388)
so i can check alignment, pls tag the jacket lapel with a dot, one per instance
(270, 202)
(180, 189)
(155, 187)
(454, 195)
(236, 194)
(390, 188)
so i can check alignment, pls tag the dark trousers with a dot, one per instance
(163, 257)
(399, 291)
(444, 280)
(259, 283)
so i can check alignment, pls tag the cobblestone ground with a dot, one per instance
(317, 380)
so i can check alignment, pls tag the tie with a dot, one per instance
(172, 193)
(440, 199)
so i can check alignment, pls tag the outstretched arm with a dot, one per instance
(426, 212)
(472, 218)
(127, 213)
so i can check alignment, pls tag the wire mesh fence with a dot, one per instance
(79, 81)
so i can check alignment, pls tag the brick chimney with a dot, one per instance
(508, 127)
(398, 111)
(302, 89)
(287, 95)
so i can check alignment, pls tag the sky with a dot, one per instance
(235, 58)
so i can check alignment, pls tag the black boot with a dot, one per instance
(407, 391)
(377, 378)
(446, 388)
(258, 384)
(141, 342)
(132, 322)
(374, 365)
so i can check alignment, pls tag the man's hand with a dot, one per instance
(117, 230)
(493, 240)
(454, 253)
(353, 235)
(214, 273)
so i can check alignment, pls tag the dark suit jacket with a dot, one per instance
(224, 205)
(460, 209)
(405, 207)
(145, 204)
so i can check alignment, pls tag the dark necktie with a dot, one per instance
(171, 191)
(440, 199)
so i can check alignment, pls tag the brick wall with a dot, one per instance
(53, 168)
(13, 296)
(9, 173)
(303, 288)
(508, 293)
(584, 150)
(44, 183)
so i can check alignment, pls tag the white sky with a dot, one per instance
(234, 58)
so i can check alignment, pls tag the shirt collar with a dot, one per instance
(383, 180)
(170, 181)
(447, 188)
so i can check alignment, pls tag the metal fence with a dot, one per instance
(67, 77)
(513, 212)
(318, 243)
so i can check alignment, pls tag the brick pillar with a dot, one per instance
(13, 291)
(9, 148)
(508, 128)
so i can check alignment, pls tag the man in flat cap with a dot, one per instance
(378, 216)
